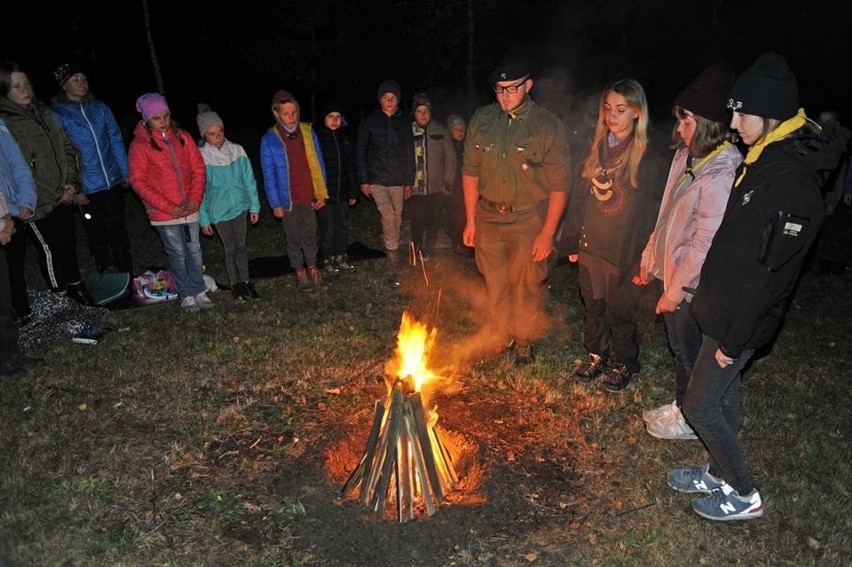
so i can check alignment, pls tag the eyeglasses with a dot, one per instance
(511, 89)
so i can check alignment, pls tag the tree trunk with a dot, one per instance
(155, 63)
(470, 55)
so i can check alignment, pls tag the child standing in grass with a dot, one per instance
(338, 152)
(230, 194)
(167, 172)
(294, 181)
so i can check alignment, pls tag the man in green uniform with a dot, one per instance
(515, 177)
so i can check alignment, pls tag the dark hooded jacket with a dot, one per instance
(771, 220)
(338, 152)
(385, 150)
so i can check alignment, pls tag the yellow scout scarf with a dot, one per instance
(783, 130)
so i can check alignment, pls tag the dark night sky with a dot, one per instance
(235, 55)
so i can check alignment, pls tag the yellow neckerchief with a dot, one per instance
(691, 171)
(320, 189)
(783, 130)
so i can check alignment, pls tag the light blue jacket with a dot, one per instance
(16, 178)
(231, 187)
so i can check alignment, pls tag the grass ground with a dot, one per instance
(225, 437)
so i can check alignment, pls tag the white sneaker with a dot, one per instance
(671, 426)
(660, 412)
(203, 301)
(189, 304)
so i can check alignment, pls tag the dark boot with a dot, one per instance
(78, 293)
(251, 290)
(393, 262)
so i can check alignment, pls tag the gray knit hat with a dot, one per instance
(207, 118)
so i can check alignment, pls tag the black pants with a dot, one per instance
(334, 229)
(8, 329)
(425, 215)
(106, 231)
(610, 313)
(55, 240)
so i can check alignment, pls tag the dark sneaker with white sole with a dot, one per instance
(588, 371)
(617, 377)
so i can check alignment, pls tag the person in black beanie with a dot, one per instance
(748, 278)
(696, 193)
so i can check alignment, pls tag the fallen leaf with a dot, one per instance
(814, 543)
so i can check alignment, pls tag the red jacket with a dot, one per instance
(172, 174)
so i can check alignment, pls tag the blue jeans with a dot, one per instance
(183, 249)
(712, 407)
(684, 341)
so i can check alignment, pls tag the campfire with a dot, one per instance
(403, 448)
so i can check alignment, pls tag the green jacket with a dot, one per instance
(518, 160)
(48, 151)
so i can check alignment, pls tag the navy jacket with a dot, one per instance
(385, 150)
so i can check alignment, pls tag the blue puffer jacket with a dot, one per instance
(91, 126)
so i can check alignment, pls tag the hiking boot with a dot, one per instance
(203, 301)
(694, 480)
(330, 267)
(661, 412)
(189, 304)
(316, 278)
(240, 293)
(671, 426)
(617, 377)
(343, 263)
(726, 504)
(393, 264)
(252, 292)
(587, 371)
(523, 353)
(302, 282)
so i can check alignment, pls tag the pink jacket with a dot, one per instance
(690, 214)
(172, 174)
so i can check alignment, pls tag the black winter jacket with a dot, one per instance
(338, 153)
(772, 219)
(385, 150)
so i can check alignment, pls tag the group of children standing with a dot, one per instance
(190, 189)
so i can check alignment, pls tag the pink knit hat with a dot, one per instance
(151, 104)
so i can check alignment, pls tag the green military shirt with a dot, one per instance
(519, 157)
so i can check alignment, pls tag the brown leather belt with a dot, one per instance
(503, 208)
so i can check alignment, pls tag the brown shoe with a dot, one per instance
(316, 278)
(303, 283)
(588, 371)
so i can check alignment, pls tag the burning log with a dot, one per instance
(404, 446)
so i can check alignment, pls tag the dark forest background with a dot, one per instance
(235, 55)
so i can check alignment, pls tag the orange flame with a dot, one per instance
(414, 343)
